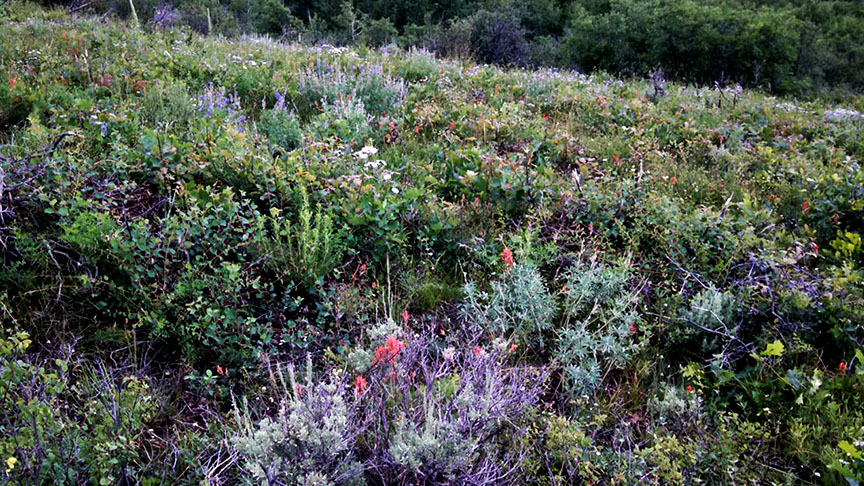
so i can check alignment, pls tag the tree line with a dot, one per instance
(783, 46)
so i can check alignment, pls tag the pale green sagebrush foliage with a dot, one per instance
(599, 322)
(518, 305)
(437, 442)
(362, 358)
(309, 442)
(712, 314)
(345, 120)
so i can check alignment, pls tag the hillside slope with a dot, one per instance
(482, 276)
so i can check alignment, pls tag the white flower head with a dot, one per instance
(374, 164)
(366, 152)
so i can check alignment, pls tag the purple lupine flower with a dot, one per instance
(103, 127)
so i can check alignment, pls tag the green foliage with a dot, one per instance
(710, 321)
(281, 128)
(47, 442)
(165, 104)
(682, 263)
(379, 32)
(346, 121)
(32, 422)
(304, 252)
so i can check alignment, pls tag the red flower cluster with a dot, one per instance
(360, 385)
(805, 207)
(507, 258)
(388, 352)
(221, 371)
(842, 368)
(405, 316)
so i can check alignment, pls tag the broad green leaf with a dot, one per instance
(849, 449)
(774, 349)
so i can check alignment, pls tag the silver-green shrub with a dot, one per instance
(308, 442)
(343, 119)
(518, 305)
(599, 323)
(711, 319)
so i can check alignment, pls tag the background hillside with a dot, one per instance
(786, 46)
(234, 260)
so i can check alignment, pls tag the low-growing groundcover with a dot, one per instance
(245, 262)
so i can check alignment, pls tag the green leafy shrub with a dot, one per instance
(281, 127)
(303, 252)
(35, 447)
(47, 442)
(379, 32)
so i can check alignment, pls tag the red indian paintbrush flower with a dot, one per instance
(388, 352)
(360, 384)
(507, 258)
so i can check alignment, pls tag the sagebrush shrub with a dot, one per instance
(446, 417)
(599, 325)
(710, 320)
(311, 439)
(345, 120)
(329, 81)
(517, 306)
